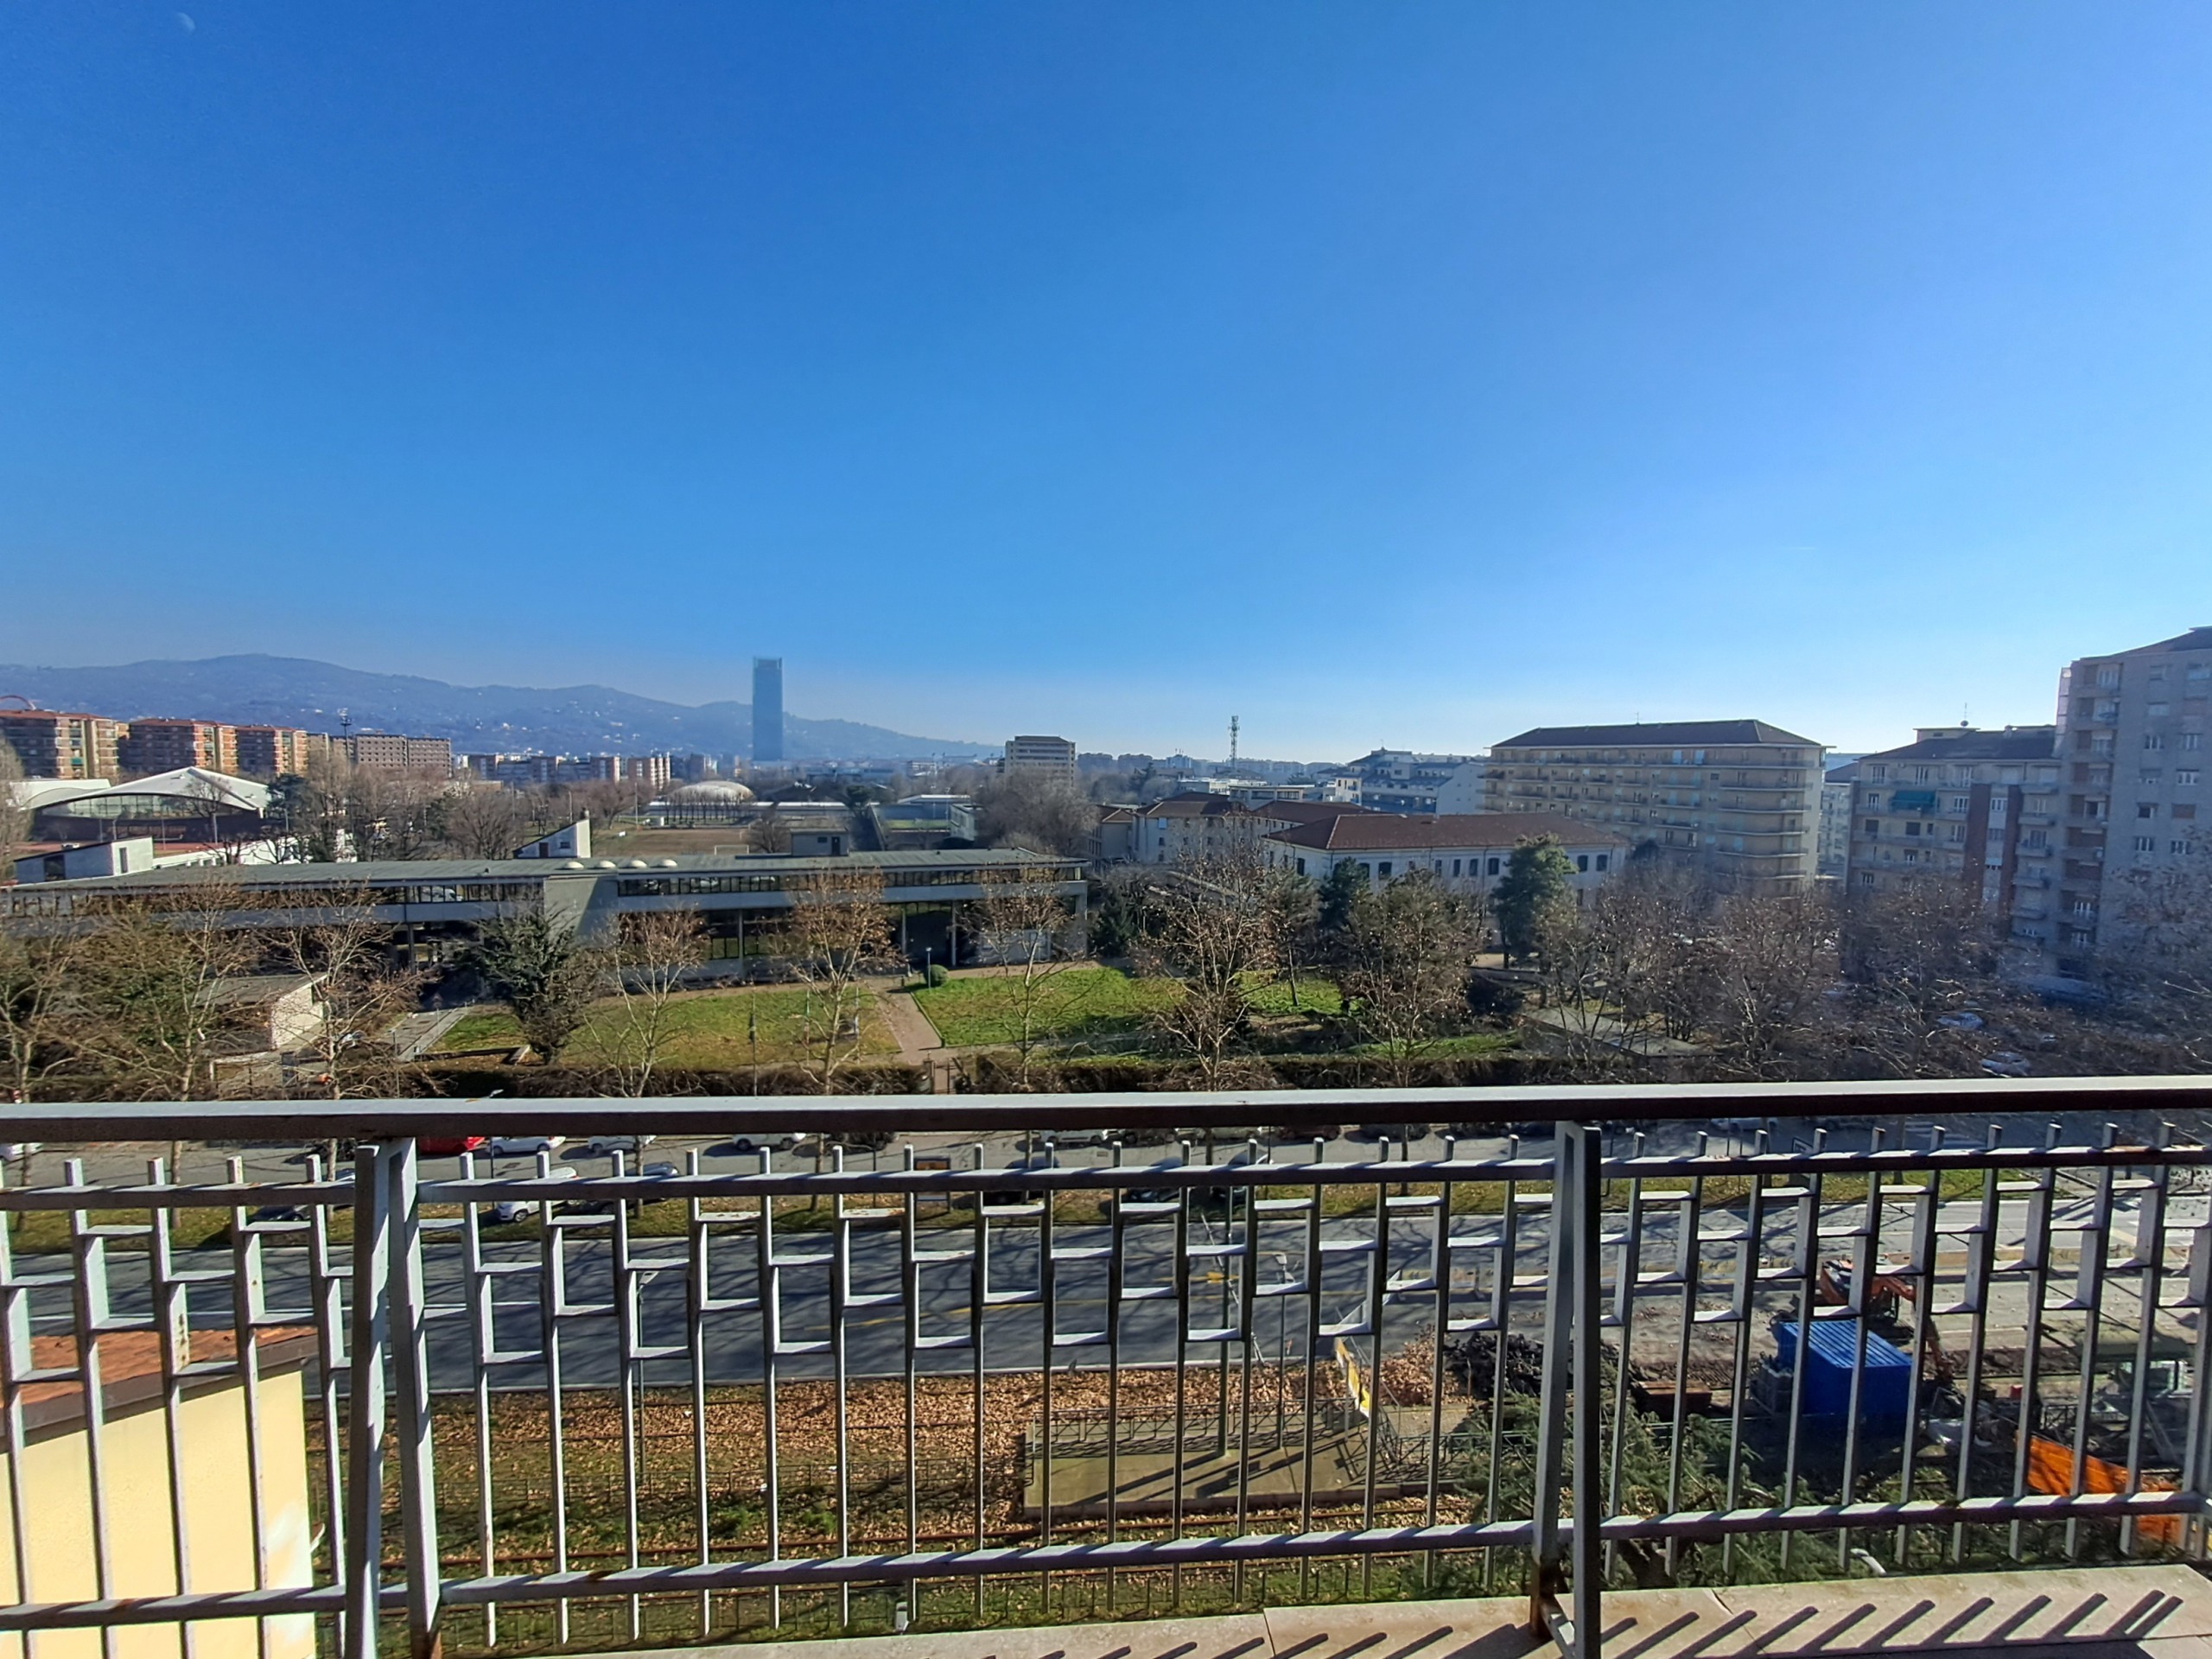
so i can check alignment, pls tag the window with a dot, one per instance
(1962, 803)
(2160, 710)
(1865, 878)
(1911, 857)
(1301, 866)
(1455, 866)
(2146, 844)
(1912, 826)
(1582, 862)
(2185, 813)
(1878, 773)
(1602, 858)
(2107, 675)
(1493, 867)
(1384, 870)
(2147, 809)
(2180, 847)
(2154, 740)
(2192, 739)
(2151, 775)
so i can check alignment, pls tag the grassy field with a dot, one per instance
(1074, 1005)
(707, 1030)
(1315, 995)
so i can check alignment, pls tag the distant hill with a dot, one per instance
(570, 720)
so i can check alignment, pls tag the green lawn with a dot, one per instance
(707, 1030)
(1074, 1004)
(1315, 995)
(1462, 1046)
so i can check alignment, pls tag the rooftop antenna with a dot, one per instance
(1232, 746)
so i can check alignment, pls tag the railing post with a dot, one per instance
(418, 1492)
(1589, 1558)
(369, 1328)
(1551, 1426)
(1574, 1349)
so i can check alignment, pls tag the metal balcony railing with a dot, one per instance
(1587, 1334)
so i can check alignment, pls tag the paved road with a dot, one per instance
(1013, 1331)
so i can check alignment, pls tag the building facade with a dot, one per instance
(1832, 860)
(2131, 750)
(1967, 807)
(275, 751)
(1400, 780)
(1050, 757)
(1737, 801)
(55, 745)
(389, 751)
(767, 710)
(1468, 853)
(157, 745)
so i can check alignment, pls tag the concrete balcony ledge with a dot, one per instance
(2108, 1612)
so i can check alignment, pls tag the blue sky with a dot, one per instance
(1380, 374)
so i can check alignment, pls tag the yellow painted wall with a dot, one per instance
(218, 1517)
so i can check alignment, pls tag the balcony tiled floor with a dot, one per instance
(2134, 1612)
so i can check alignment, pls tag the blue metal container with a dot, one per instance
(1885, 1388)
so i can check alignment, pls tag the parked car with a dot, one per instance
(741, 1145)
(526, 1146)
(451, 1146)
(2007, 1064)
(509, 1210)
(600, 1145)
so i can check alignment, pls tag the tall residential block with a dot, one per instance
(389, 751)
(1736, 800)
(1053, 757)
(155, 746)
(2131, 747)
(1968, 807)
(767, 710)
(274, 751)
(55, 745)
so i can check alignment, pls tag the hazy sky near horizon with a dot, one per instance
(1381, 373)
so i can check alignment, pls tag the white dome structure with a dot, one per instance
(722, 790)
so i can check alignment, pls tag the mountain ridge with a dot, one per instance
(259, 689)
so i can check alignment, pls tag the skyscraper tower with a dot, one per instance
(767, 710)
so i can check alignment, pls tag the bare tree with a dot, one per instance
(1777, 960)
(1036, 811)
(1026, 928)
(839, 932)
(769, 832)
(364, 989)
(1407, 953)
(1916, 961)
(484, 822)
(2163, 962)
(658, 952)
(41, 1006)
(151, 974)
(1294, 909)
(1210, 931)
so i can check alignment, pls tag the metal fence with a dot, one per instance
(734, 1395)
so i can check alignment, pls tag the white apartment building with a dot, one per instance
(1054, 757)
(1467, 852)
(1737, 800)
(2132, 750)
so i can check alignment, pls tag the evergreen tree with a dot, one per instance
(1532, 895)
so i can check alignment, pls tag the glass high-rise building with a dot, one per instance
(767, 708)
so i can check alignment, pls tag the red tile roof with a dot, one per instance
(1389, 832)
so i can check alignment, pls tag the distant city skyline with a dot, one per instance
(1394, 374)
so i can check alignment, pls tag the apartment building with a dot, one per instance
(389, 751)
(1832, 859)
(275, 751)
(156, 746)
(1468, 853)
(1964, 806)
(1736, 800)
(1052, 757)
(1400, 780)
(653, 771)
(51, 744)
(2131, 750)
